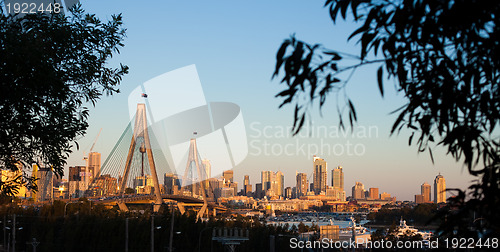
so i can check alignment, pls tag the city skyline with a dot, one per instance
(81, 178)
(245, 80)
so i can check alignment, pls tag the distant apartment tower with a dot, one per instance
(419, 199)
(425, 191)
(338, 178)
(320, 175)
(373, 193)
(302, 184)
(358, 191)
(246, 180)
(439, 189)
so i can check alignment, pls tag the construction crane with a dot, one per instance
(91, 148)
(86, 158)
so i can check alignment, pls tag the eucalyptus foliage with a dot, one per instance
(51, 66)
(445, 58)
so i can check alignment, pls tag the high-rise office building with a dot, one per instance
(338, 178)
(272, 183)
(358, 191)
(228, 176)
(373, 193)
(288, 193)
(143, 184)
(94, 165)
(171, 182)
(266, 180)
(280, 184)
(302, 184)
(258, 191)
(247, 187)
(234, 185)
(320, 175)
(425, 191)
(439, 189)
(45, 183)
(208, 168)
(216, 186)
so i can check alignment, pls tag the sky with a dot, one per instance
(233, 45)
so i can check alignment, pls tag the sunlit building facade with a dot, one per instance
(439, 189)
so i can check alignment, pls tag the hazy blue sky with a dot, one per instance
(233, 44)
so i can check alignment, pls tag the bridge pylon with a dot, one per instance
(140, 138)
(195, 186)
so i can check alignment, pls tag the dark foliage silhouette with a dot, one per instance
(445, 58)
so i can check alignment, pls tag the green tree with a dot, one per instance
(51, 65)
(445, 57)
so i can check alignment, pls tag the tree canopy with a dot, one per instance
(51, 66)
(445, 58)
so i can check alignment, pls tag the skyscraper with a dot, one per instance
(338, 178)
(228, 176)
(272, 183)
(320, 174)
(425, 191)
(280, 183)
(208, 168)
(94, 165)
(301, 184)
(439, 189)
(247, 187)
(358, 191)
(266, 178)
(373, 193)
(246, 180)
(258, 190)
(171, 182)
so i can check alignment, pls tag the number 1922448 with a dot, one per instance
(32, 8)
(464, 243)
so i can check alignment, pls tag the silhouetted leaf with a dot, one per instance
(380, 73)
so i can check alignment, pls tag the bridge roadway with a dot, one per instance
(142, 199)
(148, 199)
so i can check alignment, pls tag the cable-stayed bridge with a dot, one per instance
(135, 162)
